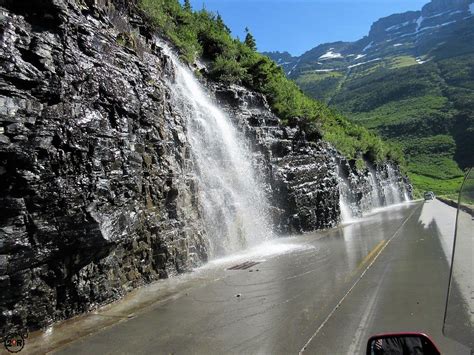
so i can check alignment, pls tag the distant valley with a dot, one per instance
(411, 79)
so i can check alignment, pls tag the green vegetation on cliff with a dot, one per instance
(202, 34)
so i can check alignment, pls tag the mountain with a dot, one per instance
(411, 79)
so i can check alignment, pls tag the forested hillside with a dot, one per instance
(428, 109)
(411, 80)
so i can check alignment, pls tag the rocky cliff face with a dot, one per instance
(301, 175)
(436, 20)
(94, 199)
(97, 194)
(436, 7)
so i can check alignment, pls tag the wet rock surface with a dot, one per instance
(97, 194)
(305, 178)
(94, 196)
(301, 175)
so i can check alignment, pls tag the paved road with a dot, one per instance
(321, 293)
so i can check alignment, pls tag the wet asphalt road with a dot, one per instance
(323, 293)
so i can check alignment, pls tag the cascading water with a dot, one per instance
(346, 212)
(384, 191)
(344, 201)
(392, 189)
(406, 198)
(232, 198)
(374, 192)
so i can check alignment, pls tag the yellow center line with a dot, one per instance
(371, 254)
(367, 258)
(380, 250)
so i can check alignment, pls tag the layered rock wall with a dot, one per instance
(95, 195)
(301, 175)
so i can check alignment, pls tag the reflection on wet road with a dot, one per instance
(318, 293)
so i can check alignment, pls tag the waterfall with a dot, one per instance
(384, 190)
(374, 190)
(406, 198)
(393, 191)
(346, 211)
(231, 196)
(345, 205)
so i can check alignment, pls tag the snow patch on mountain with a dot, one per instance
(396, 27)
(358, 64)
(437, 26)
(420, 61)
(360, 56)
(408, 34)
(331, 55)
(368, 46)
(294, 66)
(398, 44)
(419, 21)
(449, 13)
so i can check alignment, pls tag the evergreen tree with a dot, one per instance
(187, 5)
(221, 23)
(250, 40)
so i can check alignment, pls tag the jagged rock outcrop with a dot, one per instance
(301, 175)
(97, 194)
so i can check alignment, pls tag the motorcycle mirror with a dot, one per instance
(401, 344)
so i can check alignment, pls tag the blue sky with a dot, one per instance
(299, 25)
